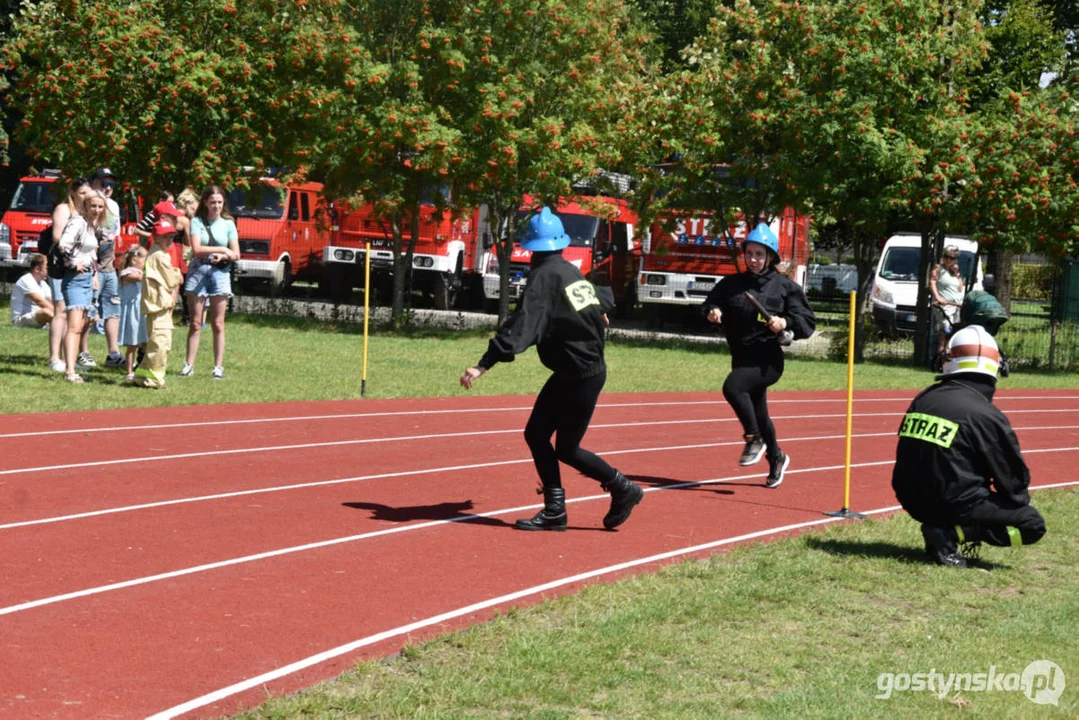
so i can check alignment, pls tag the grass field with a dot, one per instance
(799, 628)
(276, 359)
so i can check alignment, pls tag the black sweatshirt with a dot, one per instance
(560, 313)
(954, 445)
(743, 325)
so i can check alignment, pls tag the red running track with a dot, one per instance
(185, 561)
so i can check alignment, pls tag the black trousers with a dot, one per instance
(994, 520)
(746, 388)
(564, 408)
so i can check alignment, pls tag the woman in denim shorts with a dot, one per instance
(80, 187)
(215, 245)
(79, 245)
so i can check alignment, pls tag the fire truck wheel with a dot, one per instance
(447, 287)
(282, 276)
(338, 283)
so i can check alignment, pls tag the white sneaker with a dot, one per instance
(188, 370)
(58, 366)
(219, 372)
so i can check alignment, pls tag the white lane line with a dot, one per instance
(340, 650)
(430, 436)
(429, 471)
(391, 531)
(382, 476)
(372, 534)
(405, 413)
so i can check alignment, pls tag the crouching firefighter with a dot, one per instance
(958, 467)
(564, 316)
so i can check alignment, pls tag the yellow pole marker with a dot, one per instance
(845, 512)
(366, 312)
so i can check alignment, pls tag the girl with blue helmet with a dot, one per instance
(756, 342)
(565, 317)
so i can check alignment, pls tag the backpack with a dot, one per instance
(981, 308)
(44, 240)
(57, 265)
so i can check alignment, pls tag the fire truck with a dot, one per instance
(602, 246)
(446, 257)
(30, 212)
(282, 231)
(684, 259)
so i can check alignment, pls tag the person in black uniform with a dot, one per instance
(958, 468)
(564, 316)
(756, 351)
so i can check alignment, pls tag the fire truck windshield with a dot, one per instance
(264, 202)
(580, 228)
(34, 197)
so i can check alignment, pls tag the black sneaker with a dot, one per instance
(776, 467)
(114, 360)
(753, 451)
(942, 547)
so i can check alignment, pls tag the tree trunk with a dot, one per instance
(864, 248)
(398, 308)
(999, 265)
(925, 336)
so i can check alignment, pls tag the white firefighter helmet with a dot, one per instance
(972, 349)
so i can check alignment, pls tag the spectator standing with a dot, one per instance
(79, 244)
(108, 290)
(61, 214)
(215, 246)
(160, 287)
(132, 321)
(946, 286)
(31, 298)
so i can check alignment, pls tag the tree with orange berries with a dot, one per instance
(171, 93)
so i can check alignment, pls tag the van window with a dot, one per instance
(305, 206)
(35, 197)
(901, 264)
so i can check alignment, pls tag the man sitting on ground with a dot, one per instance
(31, 299)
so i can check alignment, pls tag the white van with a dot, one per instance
(895, 285)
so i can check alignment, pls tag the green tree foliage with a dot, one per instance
(537, 90)
(392, 142)
(1023, 44)
(171, 93)
(673, 25)
(852, 108)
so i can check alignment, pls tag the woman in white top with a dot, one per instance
(215, 245)
(79, 243)
(63, 212)
(946, 286)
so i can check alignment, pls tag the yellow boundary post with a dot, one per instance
(366, 312)
(845, 512)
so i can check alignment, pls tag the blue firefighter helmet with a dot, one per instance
(545, 233)
(763, 235)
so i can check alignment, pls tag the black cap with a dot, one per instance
(103, 173)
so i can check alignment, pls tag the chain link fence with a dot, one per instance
(1042, 332)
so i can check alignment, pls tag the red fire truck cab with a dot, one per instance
(282, 230)
(685, 259)
(602, 246)
(446, 256)
(30, 212)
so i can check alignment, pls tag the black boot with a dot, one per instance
(624, 495)
(551, 517)
(942, 547)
